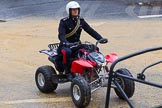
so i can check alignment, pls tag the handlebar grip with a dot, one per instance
(104, 40)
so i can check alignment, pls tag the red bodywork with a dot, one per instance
(111, 57)
(78, 66)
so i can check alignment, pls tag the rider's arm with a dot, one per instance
(91, 31)
(62, 32)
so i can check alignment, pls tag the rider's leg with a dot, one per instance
(66, 58)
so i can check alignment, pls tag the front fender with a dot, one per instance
(111, 57)
(78, 66)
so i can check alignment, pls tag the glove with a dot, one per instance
(103, 40)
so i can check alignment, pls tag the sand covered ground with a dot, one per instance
(20, 41)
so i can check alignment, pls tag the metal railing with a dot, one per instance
(112, 76)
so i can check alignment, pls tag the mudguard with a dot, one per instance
(49, 52)
(78, 66)
(111, 57)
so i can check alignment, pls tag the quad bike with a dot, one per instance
(89, 69)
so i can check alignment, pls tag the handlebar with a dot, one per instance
(101, 41)
(56, 45)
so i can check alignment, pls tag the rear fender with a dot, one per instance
(49, 52)
(78, 66)
(110, 58)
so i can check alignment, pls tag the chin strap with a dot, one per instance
(74, 30)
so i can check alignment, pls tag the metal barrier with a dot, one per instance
(113, 75)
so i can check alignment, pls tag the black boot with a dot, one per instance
(67, 70)
(68, 73)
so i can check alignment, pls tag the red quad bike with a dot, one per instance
(89, 70)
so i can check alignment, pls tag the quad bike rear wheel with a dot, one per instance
(127, 85)
(43, 79)
(80, 92)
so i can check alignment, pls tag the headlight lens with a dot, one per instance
(98, 57)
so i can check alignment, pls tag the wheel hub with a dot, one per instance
(41, 80)
(121, 83)
(76, 92)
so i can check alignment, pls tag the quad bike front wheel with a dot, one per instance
(43, 79)
(80, 92)
(127, 85)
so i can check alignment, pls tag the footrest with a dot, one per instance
(59, 78)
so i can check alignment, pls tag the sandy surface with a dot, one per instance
(21, 40)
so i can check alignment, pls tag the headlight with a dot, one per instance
(98, 57)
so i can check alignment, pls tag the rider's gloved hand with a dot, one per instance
(103, 40)
(66, 44)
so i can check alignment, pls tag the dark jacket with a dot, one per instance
(68, 24)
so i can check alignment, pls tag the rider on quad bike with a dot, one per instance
(80, 63)
(69, 32)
